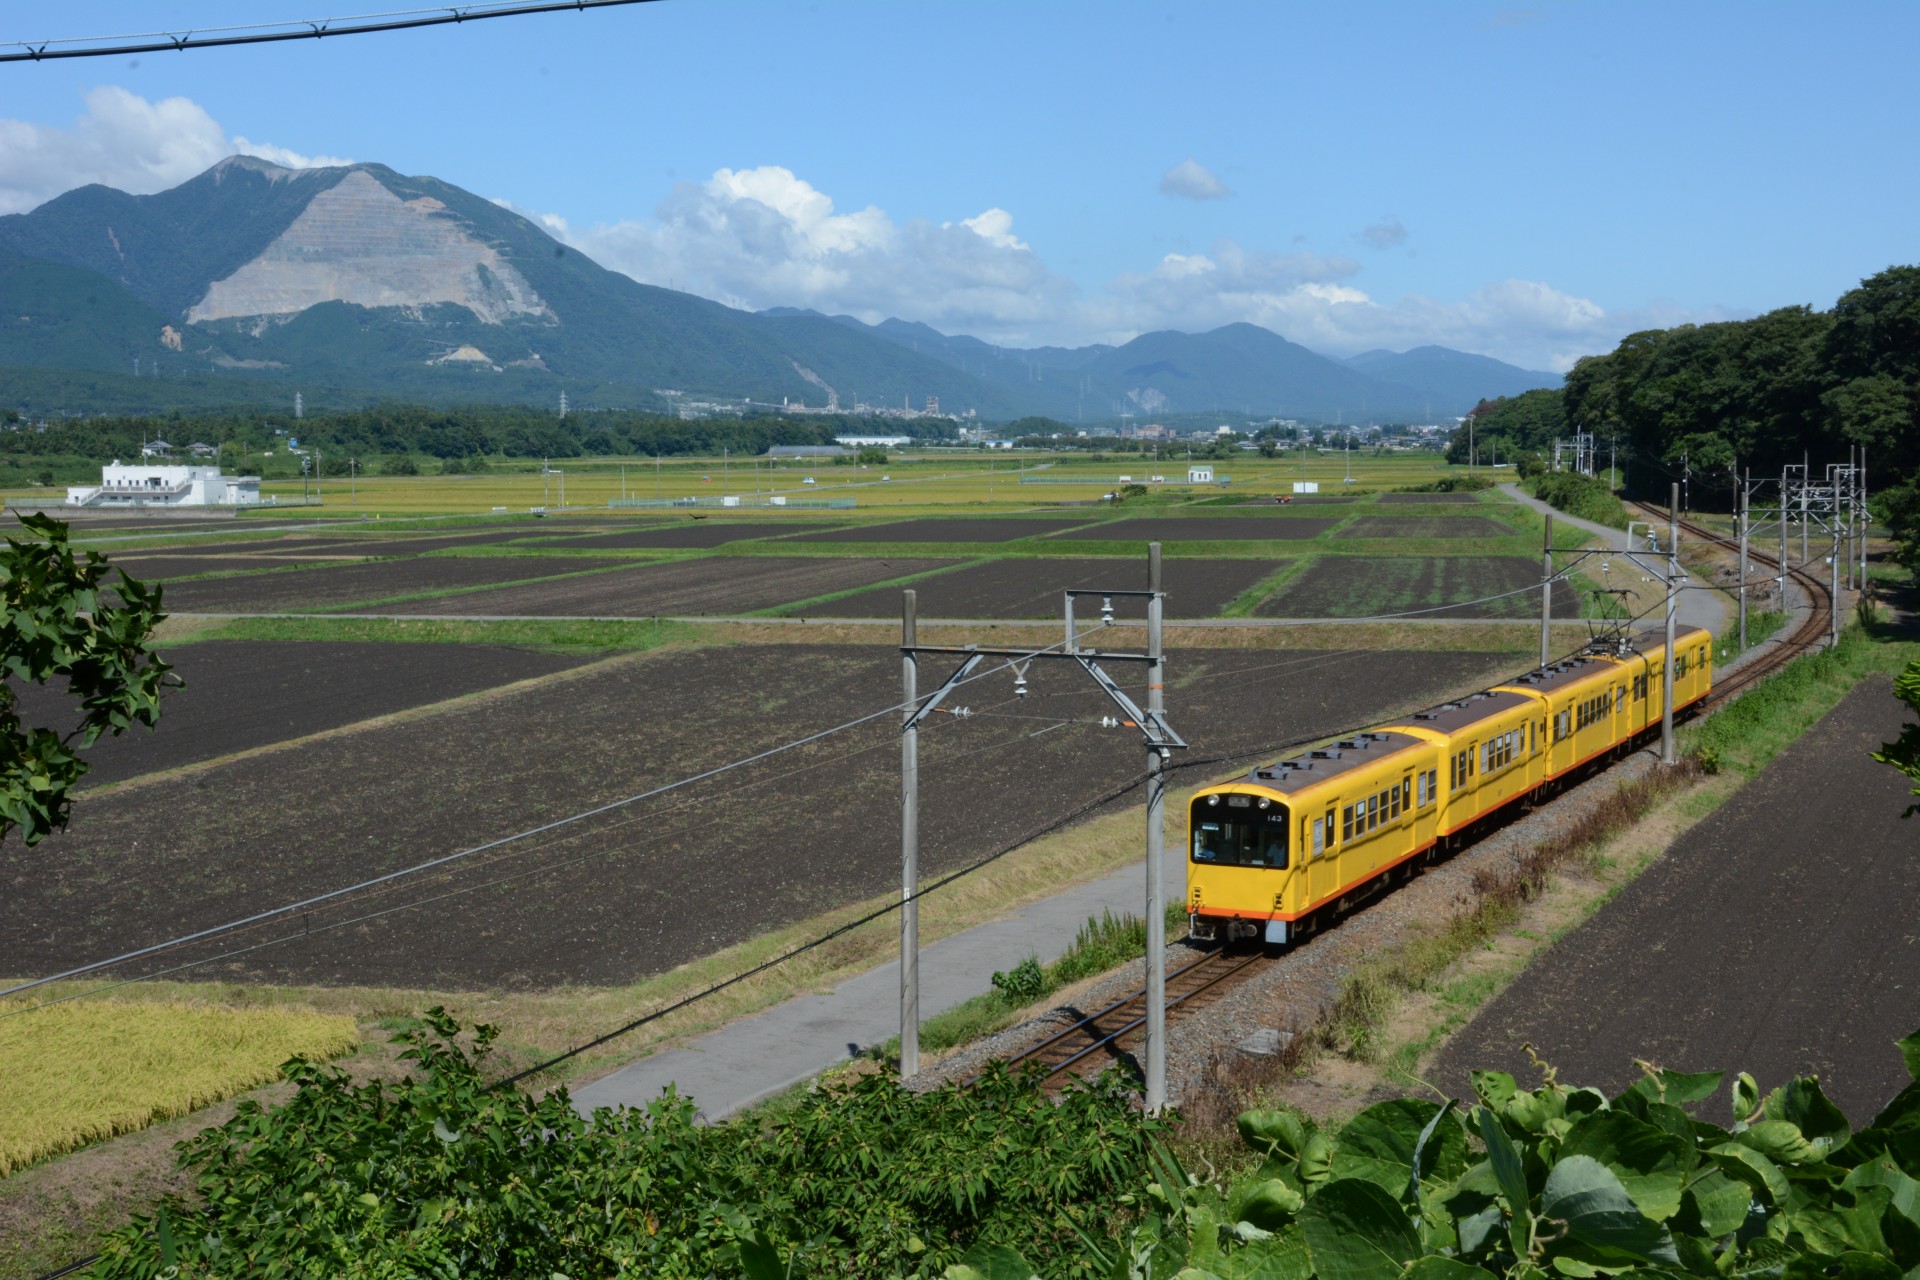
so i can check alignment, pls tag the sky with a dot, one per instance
(1527, 181)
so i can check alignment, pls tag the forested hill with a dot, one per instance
(1754, 394)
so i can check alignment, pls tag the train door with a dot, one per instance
(1324, 874)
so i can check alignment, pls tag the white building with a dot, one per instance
(142, 484)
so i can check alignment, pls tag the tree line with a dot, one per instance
(1703, 401)
(448, 434)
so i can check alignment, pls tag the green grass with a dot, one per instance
(1101, 945)
(567, 636)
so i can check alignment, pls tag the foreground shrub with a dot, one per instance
(436, 1175)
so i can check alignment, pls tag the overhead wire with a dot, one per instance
(307, 903)
(48, 50)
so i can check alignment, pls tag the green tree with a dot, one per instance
(872, 456)
(1904, 752)
(62, 622)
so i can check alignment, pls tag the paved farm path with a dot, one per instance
(1700, 605)
(753, 1058)
(1779, 936)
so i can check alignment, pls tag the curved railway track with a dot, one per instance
(1097, 1040)
(1809, 635)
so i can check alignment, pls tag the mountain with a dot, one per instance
(360, 277)
(1236, 367)
(357, 283)
(1449, 377)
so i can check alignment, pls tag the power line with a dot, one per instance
(277, 32)
(306, 904)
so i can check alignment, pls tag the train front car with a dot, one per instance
(1270, 853)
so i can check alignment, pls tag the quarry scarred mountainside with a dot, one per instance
(359, 282)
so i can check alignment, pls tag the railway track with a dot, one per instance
(1098, 1040)
(1808, 636)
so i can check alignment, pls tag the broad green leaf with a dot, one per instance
(1282, 1256)
(1738, 1160)
(1437, 1268)
(991, 1262)
(1780, 1141)
(1651, 1163)
(1271, 1205)
(1497, 1087)
(1910, 1050)
(1378, 1145)
(1316, 1160)
(1801, 1103)
(1599, 1213)
(1512, 1177)
(1720, 1200)
(1356, 1231)
(1903, 1112)
(1857, 1265)
(1746, 1097)
(1882, 1172)
(1273, 1131)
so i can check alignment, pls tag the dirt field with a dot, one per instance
(1367, 586)
(639, 890)
(945, 531)
(332, 585)
(1031, 589)
(1427, 499)
(702, 536)
(1298, 500)
(1427, 527)
(242, 694)
(1776, 937)
(167, 568)
(714, 586)
(1203, 529)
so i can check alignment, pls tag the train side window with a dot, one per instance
(1393, 800)
(1433, 784)
(1318, 835)
(1346, 822)
(1421, 789)
(1373, 812)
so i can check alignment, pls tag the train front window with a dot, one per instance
(1244, 840)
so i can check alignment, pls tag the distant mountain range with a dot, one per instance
(356, 284)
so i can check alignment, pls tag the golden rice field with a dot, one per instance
(75, 1073)
(963, 482)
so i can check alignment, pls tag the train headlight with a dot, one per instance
(1213, 800)
(1265, 803)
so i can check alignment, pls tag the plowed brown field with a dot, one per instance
(641, 889)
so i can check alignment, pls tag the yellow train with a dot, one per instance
(1276, 854)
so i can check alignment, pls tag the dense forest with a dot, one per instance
(1700, 401)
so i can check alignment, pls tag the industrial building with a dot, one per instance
(142, 484)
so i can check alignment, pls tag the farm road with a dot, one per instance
(1698, 606)
(1780, 936)
(639, 890)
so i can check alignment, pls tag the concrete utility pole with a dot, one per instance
(1156, 1099)
(1866, 518)
(1743, 566)
(1160, 740)
(1546, 595)
(1667, 755)
(909, 840)
(1806, 483)
(1783, 541)
(1833, 588)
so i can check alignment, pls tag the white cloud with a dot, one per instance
(759, 238)
(1384, 234)
(124, 141)
(1193, 180)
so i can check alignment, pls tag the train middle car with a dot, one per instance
(1277, 853)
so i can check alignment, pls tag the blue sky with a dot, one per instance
(1530, 181)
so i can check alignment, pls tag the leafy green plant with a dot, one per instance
(1023, 982)
(61, 621)
(438, 1175)
(1555, 1181)
(1581, 497)
(1903, 753)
